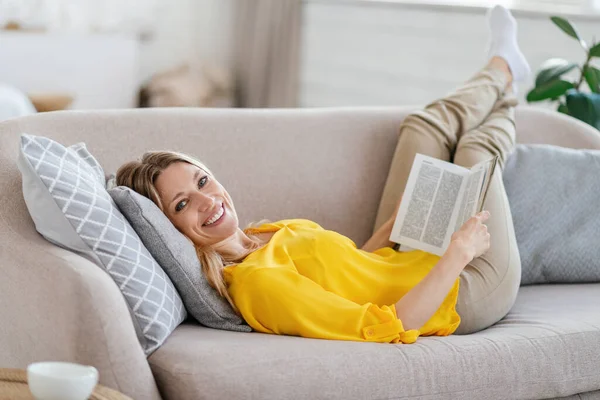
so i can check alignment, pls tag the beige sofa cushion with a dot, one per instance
(546, 347)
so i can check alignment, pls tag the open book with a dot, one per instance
(439, 197)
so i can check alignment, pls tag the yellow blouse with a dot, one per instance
(312, 282)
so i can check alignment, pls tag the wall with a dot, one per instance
(105, 70)
(387, 53)
(98, 71)
(189, 31)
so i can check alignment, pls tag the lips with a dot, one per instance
(217, 216)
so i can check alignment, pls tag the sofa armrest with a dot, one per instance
(57, 305)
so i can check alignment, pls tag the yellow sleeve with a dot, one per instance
(281, 301)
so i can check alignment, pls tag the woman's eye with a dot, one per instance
(180, 205)
(202, 181)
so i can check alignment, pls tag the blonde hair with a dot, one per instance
(141, 177)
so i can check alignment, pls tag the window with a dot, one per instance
(569, 7)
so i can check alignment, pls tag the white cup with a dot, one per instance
(61, 380)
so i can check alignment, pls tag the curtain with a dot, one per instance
(267, 52)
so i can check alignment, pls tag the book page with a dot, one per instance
(428, 211)
(477, 183)
(470, 199)
(489, 168)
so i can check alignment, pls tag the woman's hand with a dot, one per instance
(417, 306)
(472, 239)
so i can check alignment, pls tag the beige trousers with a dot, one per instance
(470, 125)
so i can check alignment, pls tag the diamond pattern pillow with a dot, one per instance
(65, 193)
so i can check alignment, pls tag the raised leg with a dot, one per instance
(435, 130)
(489, 284)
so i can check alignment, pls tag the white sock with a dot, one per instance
(503, 43)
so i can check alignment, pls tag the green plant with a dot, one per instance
(551, 85)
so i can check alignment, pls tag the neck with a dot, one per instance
(235, 247)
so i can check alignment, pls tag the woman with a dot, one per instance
(293, 277)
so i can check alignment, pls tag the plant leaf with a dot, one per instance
(585, 107)
(595, 50)
(562, 108)
(549, 90)
(569, 29)
(592, 77)
(552, 69)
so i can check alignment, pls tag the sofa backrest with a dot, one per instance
(327, 165)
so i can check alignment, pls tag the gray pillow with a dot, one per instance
(64, 189)
(554, 198)
(176, 254)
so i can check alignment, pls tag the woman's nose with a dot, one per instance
(205, 202)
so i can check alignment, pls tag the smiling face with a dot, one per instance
(196, 203)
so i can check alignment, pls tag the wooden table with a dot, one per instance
(13, 386)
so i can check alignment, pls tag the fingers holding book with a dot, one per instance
(473, 237)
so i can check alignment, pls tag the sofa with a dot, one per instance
(328, 165)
